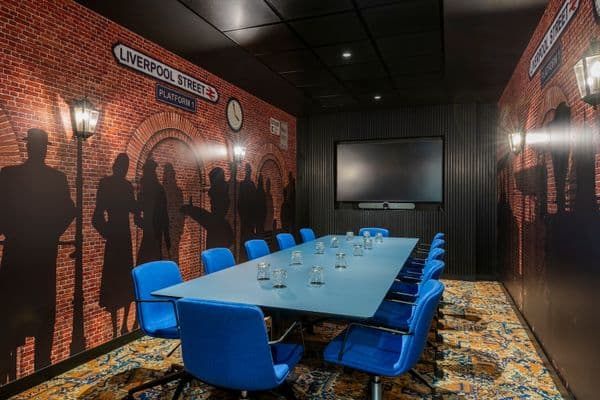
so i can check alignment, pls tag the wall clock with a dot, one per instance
(235, 114)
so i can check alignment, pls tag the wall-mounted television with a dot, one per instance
(407, 170)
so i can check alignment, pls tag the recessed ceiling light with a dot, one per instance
(346, 54)
(377, 97)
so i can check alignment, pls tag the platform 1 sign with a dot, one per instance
(147, 65)
(174, 98)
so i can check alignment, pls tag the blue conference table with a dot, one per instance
(355, 292)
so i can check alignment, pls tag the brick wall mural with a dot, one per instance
(158, 181)
(549, 194)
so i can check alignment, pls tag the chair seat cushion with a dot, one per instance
(285, 358)
(162, 329)
(394, 315)
(368, 350)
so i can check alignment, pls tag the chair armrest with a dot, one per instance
(410, 303)
(287, 332)
(409, 279)
(375, 327)
(172, 302)
(407, 298)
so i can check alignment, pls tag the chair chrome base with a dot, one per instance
(376, 388)
(178, 373)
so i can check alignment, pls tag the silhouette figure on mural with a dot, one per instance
(288, 206)
(260, 205)
(115, 200)
(175, 202)
(247, 206)
(218, 230)
(154, 219)
(269, 210)
(35, 210)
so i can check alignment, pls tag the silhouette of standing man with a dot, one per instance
(247, 206)
(35, 210)
(114, 202)
(154, 221)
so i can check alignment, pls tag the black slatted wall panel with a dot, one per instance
(469, 214)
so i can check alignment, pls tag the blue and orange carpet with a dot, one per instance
(486, 353)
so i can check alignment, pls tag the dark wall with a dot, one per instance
(549, 202)
(469, 214)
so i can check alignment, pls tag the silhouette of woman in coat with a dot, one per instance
(114, 202)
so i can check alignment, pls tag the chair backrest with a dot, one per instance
(374, 231)
(256, 248)
(433, 270)
(226, 344)
(439, 235)
(436, 254)
(307, 235)
(438, 243)
(147, 278)
(285, 240)
(217, 259)
(413, 345)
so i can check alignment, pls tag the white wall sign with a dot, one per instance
(283, 136)
(275, 125)
(562, 19)
(149, 66)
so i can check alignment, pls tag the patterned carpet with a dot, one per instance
(487, 354)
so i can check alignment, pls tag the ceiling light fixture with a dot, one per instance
(377, 97)
(346, 54)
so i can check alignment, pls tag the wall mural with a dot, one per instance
(549, 203)
(158, 181)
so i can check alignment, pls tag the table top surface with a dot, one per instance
(355, 292)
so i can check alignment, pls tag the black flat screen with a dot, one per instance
(401, 170)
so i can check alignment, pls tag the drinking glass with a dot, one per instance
(296, 257)
(263, 270)
(358, 249)
(368, 243)
(320, 247)
(316, 276)
(349, 236)
(379, 237)
(340, 261)
(366, 234)
(279, 277)
(334, 242)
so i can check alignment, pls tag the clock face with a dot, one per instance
(235, 115)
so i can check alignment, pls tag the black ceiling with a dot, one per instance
(289, 52)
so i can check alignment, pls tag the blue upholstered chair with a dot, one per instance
(226, 345)
(307, 235)
(256, 248)
(157, 316)
(427, 246)
(285, 240)
(384, 350)
(415, 265)
(409, 285)
(217, 259)
(374, 231)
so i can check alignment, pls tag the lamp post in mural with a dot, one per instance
(587, 73)
(239, 152)
(84, 118)
(516, 141)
